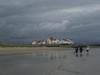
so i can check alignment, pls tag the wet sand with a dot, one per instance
(17, 50)
(52, 61)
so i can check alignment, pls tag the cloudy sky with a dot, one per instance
(39, 19)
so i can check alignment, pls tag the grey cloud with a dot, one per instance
(34, 18)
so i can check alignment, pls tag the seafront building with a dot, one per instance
(40, 42)
(66, 41)
(53, 41)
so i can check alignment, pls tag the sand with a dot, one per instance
(16, 50)
(56, 61)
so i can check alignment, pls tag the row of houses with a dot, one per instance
(53, 41)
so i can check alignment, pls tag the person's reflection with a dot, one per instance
(51, 58)
(76, 55)
(87, 54)
(64, 56)
(81, 54)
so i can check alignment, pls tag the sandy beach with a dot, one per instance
(16, 50)
(48, 61)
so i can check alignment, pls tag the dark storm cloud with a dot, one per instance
(44, 18)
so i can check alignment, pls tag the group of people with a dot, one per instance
(79, 50)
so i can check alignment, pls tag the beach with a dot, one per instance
(31, 50)
(11, 50)
(48, 61)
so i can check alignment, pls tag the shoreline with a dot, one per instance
(29, 50)
(26, 50)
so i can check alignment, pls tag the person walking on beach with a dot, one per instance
(76, 51)
(87, 49)
(81, 51)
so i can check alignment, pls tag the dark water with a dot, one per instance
(54, 62)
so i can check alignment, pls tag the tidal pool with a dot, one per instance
(52, 62)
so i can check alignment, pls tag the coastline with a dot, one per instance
(28, 50)
(24, 50)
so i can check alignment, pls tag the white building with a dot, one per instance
(53, 40)
(43, 42)
(66, 41)
(39, 42)
(34, 42)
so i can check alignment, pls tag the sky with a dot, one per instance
(27, 20)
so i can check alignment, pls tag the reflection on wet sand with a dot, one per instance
(51, 55)
(57, 56)
(55, 62)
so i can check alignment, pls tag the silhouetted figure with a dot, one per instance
(76, 51)
(81, 54)
(87, 50)
(81, 50)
